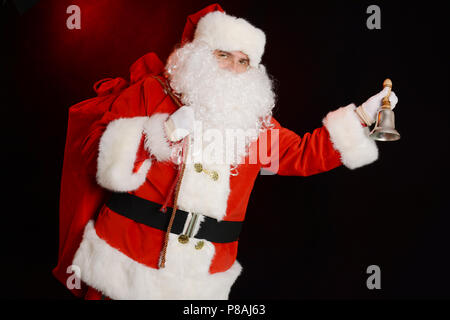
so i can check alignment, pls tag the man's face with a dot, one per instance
(234, 61)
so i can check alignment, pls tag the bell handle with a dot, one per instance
(386, 103)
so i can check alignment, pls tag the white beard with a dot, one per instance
(225, 104)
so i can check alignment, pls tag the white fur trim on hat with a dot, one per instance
(223, 32)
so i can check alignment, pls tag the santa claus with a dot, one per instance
(179, 153)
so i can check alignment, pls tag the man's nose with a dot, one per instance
(234, 66)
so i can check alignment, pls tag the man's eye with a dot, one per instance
(223, 55)
(244, 62)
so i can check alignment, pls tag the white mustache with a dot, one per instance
(221, 100)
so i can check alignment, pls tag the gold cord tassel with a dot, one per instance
(177, 189)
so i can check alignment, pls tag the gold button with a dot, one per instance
(198, 167)
(215, 176)
(199, 245)
(182, 238)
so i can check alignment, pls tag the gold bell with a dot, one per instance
(384, 129)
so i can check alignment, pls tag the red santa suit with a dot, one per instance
(120, 257)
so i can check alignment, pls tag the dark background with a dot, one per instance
(303, 238)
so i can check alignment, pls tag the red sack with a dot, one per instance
(81, 197)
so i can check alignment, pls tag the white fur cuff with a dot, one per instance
(156, 140)
(350, 138)
(117, 155)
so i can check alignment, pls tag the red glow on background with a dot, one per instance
(113, 35)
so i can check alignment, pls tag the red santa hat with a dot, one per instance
(224, 32)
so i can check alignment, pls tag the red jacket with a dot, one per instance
(134, 127)
(311, 154)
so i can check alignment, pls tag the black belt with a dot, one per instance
(148, 213)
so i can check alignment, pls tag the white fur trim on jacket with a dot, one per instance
(184, 277)
(156, 140)
(223, 32)
(117, 154)
(350, 138)
(200, 193)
